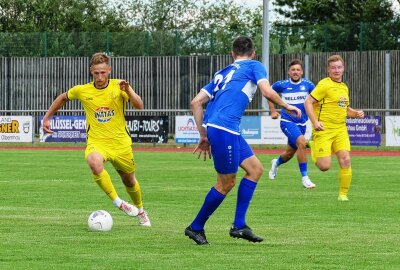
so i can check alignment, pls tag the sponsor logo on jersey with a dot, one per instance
(342, 103)
(104, 114)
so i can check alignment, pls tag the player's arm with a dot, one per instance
(58, 103)
(134, 99)
(352, 113)
(309, 106)
(273, 96)
(272, 110)
(197, 109)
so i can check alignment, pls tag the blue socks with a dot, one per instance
(211, 203)
(303, 168)
(214, 199)
(279, 161)
(244, 196)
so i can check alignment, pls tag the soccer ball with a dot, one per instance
(100, 221)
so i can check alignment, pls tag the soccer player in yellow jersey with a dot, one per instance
(327, 108)
(104, 101)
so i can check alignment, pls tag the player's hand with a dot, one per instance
(124, 86)
(203, 148)
(294, 111)
(46, 126)
(318, 126)
(360, 114)
(275, 115)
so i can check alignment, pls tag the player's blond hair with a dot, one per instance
(335, 58)
(99, 58)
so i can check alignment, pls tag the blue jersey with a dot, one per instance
(294, 93)
(230, 91)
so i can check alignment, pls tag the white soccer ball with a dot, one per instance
(100, 221)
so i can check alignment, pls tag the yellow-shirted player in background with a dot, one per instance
(327, 108)
(104, 101)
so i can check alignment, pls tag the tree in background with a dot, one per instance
(66, 15)
(196, 26)
(340, 25)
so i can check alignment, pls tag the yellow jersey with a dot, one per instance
(332, 102)
(104, 109)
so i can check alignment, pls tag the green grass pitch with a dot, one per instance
(47, 196)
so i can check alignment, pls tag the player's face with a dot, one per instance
(100, 74)
(295, 72)
(336, 70)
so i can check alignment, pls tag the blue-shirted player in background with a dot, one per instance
(228, 95)
(294, 91)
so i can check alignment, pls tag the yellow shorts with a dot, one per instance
(330, 140)
(120, 155)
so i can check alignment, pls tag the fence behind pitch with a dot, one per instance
(28, 85)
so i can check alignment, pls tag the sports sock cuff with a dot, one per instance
(248, 183)
(217, 194)
(98, 177)
(346, 170)
(117, 202)
(279, 161)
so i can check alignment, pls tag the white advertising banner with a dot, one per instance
(392, 130)
(16, 129)
(272, 133)
(186, 130)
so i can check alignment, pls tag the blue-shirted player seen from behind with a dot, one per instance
(294, 91)
(228, 95)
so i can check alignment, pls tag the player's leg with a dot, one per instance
(225, 151)
(323, 149)
(95, 157)
(123, 162)
(301, 146)
(283, 158)
(287, 154)
(132, 187)
(254, 170)
(341, 147)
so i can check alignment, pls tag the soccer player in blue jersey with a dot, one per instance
(228, 95)
(294, 91)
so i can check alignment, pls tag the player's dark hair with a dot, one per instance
(243, 46)
(296, 62)
(99, 58)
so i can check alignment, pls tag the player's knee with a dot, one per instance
(301, 143)
(96, 168)
(256, 172)
(259, 171)
(323, 167)
(227, 186)
(345, 162)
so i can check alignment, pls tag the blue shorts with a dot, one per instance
(292, 132)
(228, 150)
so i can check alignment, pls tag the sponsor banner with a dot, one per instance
(186, 130)
(250, 128)
(365, 131)
(67, 128)
(392, 124)
(148, 129)
(254, 129)
(272, 133)
(16, 128)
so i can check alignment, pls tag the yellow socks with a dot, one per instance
(104, 182)
(136, 194)
(345, 175)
